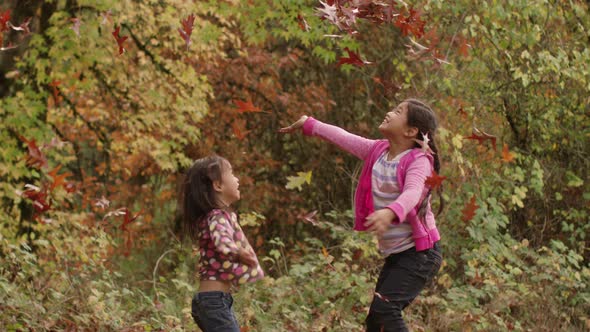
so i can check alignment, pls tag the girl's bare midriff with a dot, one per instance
(214, 285)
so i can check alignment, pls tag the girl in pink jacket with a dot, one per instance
(393, 201)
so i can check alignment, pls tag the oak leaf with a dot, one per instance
(469, 209)
(187, 29)
(120, 39)
(296, 182)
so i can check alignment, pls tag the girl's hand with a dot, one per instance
(378, 221)
(294, 126)
(247, 256)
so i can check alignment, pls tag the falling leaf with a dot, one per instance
(24, 27)
(54, 84)
(434, 181)
(325, 252)
(238, 129)
(106, 17)
(328, 12)
(481, 136)
(4, 19)
(469, 210)
(424, 143)
(76, 22)
(383, 298)
(411, 24)
(128, 218)
(303, 23)
(310, 217)
(353, 59)
(102, 203)
(38, 196)
(462, 112)
(187, 29)
(57, 179)
(507, 156)
(246, 107)
(298, 181)
(120, 39)
(35, 157)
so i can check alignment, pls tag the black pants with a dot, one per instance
(402, 278)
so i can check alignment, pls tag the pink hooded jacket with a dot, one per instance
(412, 172)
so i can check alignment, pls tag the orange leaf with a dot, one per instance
(325, 252)
(435, 180)
(481, 136)
(246, 107)
(507, 156)
(238, 129)
(469, 210)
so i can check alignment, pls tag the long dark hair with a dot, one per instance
(422, 117)
(198, 196)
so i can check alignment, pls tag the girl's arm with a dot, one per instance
(356, 145)
(222, 234)
(411, 194)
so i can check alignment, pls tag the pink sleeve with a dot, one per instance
(222, 234)
(357, 145)
(416, 175)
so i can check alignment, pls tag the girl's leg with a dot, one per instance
(212, 311)
(402, 278)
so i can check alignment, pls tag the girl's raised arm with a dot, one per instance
(357, 145)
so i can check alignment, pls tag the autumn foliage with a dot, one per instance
(106, 103)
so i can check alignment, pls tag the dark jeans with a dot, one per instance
(402, 278)
(212, 311)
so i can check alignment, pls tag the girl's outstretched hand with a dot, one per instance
(295, 125)
(247, 256)
(378, 221)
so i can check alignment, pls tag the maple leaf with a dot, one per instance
(54, 84)
(120, 39)
(238, 129)
(469, 209)
(36, 158)
(303, 23)
(76, 22)
(246, 107)
(507, 156)
(383, 298)
(411, 24)
(37, 195)
(58, 179)
(298, 181)
(434, 181)
(353, 59)
(187, 29)
(4, 19)
(24, 27)
(481, 136)
(328, 12)
(102, 202)
(310, 217)
(424, 143)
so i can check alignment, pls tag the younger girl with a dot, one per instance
(226, 257)
(392, 201)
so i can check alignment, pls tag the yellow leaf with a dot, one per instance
(298, 181)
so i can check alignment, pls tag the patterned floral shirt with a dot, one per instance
(220, 238)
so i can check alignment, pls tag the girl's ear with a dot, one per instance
(217, 186)
(412, 132)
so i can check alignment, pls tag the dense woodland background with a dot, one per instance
(105, 103)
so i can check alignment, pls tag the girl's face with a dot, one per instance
(227, 188)
(395, 122)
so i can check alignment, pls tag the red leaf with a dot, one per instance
(238, 129)
(128, 218)
(187, 29)
(434, 181)
(469, 210)
(412, 24)
(303, 23)
(246, 107)
(4, 18)
(36, 158)
(353, 59)
(58, 180)
(120, 39)
(38, 196)
(310, 217)
(481, 136)
(507, 156)
(54, 84)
